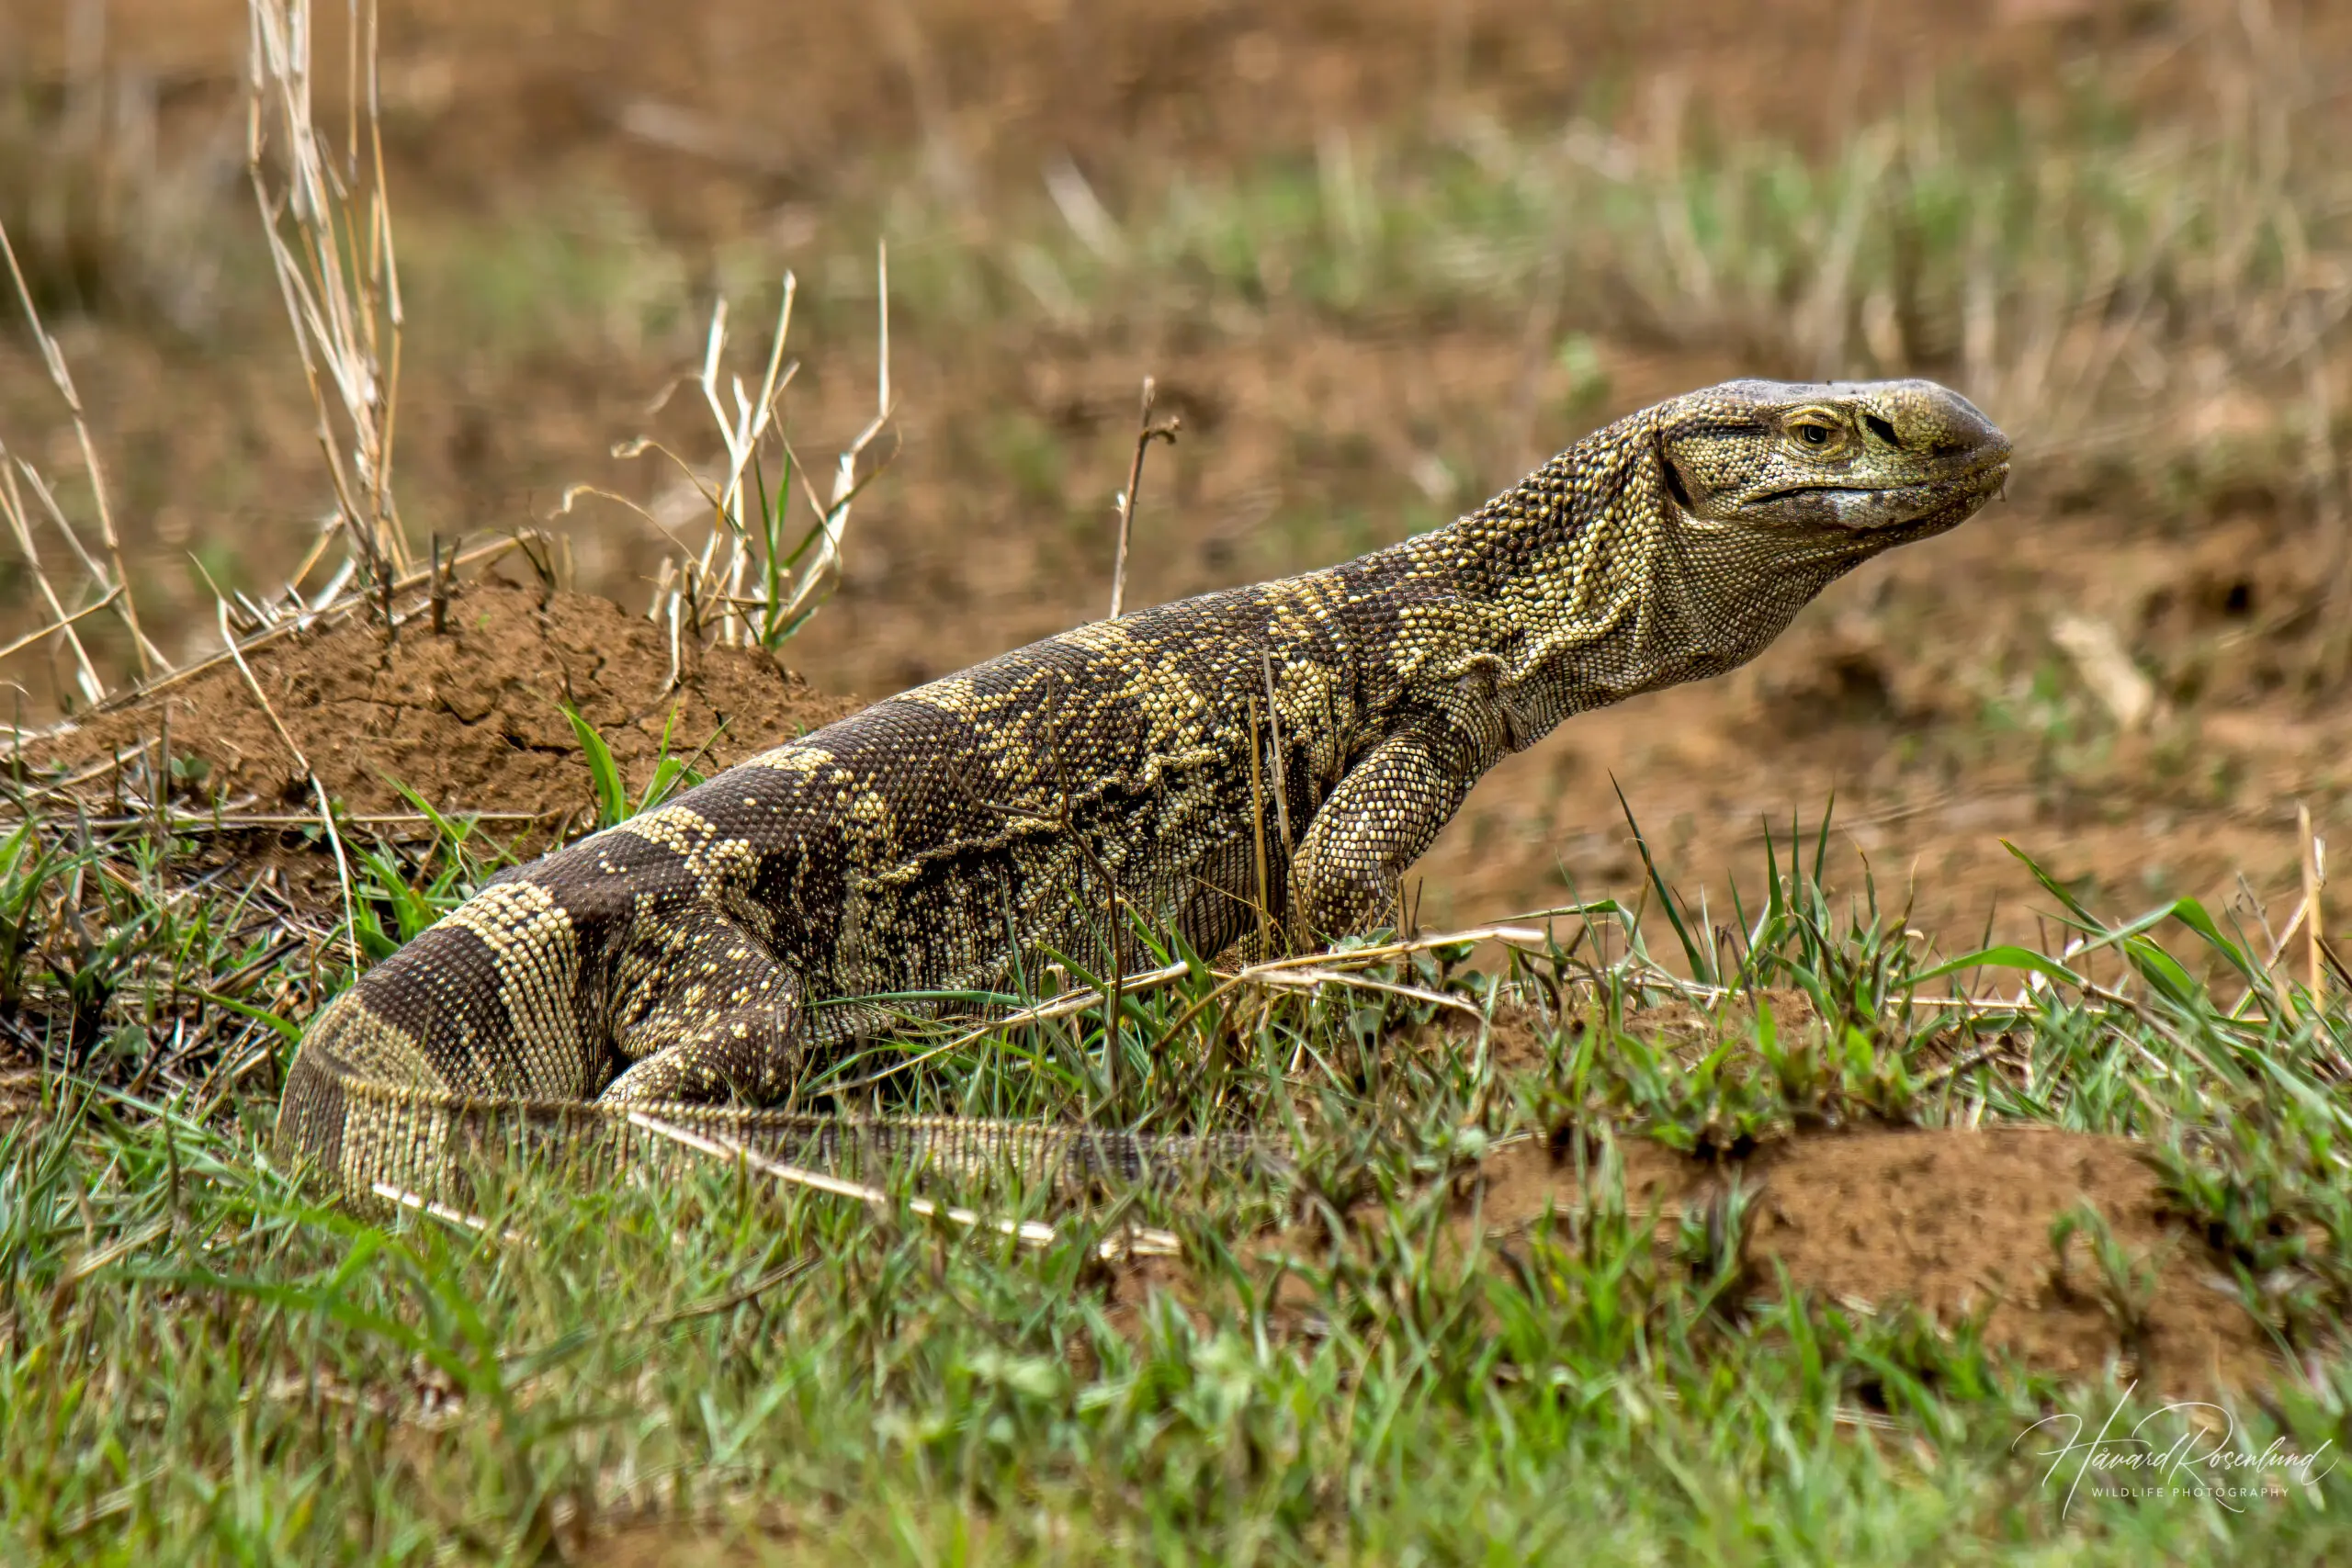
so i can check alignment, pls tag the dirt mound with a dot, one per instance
(472, 719)
(1952, 1220)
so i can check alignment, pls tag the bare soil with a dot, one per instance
(471, 720)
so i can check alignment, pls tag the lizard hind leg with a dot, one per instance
(723, 1021)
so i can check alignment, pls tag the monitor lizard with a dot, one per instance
(1274, 754)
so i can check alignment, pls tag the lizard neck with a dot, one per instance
(1585, 584)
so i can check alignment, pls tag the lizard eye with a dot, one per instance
(1814, 433)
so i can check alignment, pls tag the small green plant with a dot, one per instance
(671, 772)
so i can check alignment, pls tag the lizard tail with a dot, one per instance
(383, 1142)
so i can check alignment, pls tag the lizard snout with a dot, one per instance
(1937, 425)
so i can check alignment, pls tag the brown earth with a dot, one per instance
(529, 85)
(472, 720)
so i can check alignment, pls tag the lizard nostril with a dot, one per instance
(1881, 429)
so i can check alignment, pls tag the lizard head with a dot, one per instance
(1862, 464)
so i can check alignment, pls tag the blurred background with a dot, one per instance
(1382, 256)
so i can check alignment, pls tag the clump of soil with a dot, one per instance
(472, 719)
(1949, 1221)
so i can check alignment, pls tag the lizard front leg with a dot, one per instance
(724, 1022)
(1384, 812)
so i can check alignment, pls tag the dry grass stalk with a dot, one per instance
(445, 1214)
(332, 248)
(1146, 433)
(745, 585)
(12, 504)
(2314, 869)
(753, 417)
(1314, 979)
(16, 475)
(819, 576)
(53, 628)
(53, 360)
(90, 1263)
(1137, 1242)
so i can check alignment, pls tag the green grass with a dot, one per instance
(200, 1362)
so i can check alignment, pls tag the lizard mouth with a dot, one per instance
(1788, 491)
(1895, 502)
(1986, 476)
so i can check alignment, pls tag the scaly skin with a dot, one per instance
(937, 839)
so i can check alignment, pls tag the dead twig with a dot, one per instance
(12, 504)
(1146, 433)
(445, 1214)
(53, 360)
(1137, 1242)
(53, 628)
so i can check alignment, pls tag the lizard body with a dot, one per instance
(940, 840)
